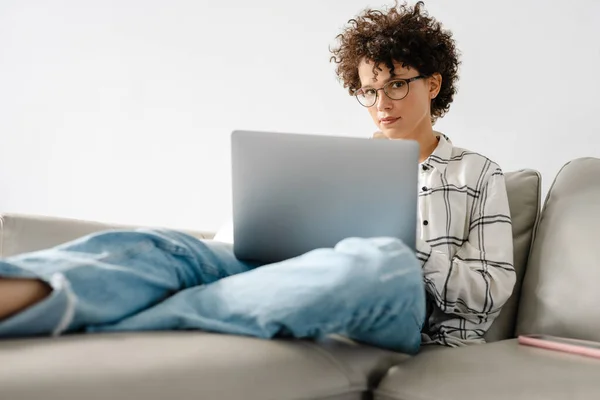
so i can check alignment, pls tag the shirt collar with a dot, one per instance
(441, 155)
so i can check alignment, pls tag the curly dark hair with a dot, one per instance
(404, 34)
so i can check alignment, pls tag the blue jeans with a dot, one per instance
(370, 290)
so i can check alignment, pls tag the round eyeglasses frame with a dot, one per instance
(385, 88)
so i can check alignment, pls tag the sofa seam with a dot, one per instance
(346, 371)
(547, 199)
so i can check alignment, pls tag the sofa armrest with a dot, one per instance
(24, 233)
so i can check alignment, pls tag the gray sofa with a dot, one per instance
(557, 257)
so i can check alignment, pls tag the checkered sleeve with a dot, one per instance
(479, 279)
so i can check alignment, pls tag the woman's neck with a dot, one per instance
(428, 143)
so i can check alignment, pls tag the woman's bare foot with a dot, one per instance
(18, 294)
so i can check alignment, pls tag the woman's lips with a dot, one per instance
(388, 121)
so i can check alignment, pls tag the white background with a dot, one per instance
(120, 111)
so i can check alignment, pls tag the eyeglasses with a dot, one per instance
(395, 90)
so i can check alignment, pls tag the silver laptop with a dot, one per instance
(293, 193)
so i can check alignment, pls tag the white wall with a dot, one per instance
(104, 111)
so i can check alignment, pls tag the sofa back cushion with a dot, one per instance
(21, 233)
(560, 290)
(524, 191)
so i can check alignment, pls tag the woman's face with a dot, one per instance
(399, 119)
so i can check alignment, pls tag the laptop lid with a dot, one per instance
(293, 193)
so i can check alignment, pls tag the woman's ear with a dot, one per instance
(435, 85)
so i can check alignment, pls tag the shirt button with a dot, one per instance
(425, 168)
(425, 222)
(424, 188)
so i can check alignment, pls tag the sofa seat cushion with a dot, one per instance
(187, 365)
(495, 371)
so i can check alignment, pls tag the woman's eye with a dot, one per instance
(398, 84)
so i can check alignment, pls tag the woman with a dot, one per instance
(402, 67)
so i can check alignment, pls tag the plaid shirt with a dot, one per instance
(464, 243)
